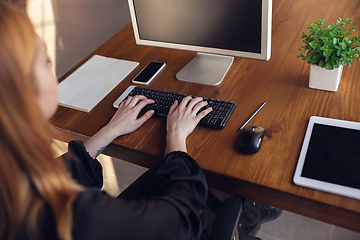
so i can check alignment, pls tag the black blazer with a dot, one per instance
(170, 210)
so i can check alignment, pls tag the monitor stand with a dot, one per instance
(207, 69)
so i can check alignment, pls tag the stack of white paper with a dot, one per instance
(92, 81)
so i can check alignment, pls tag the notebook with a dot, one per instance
(92, 81)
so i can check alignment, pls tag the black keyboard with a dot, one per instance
(217, 118)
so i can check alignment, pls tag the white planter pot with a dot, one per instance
(323, 79)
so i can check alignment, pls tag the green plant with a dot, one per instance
(332, 46)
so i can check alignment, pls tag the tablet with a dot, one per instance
(330, 157)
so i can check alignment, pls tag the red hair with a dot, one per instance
(30, 176)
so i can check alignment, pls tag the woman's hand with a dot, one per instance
(125, 119)
(123, 122)
(181, 121)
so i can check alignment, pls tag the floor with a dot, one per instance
(72, 30)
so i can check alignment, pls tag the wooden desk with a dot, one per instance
(282, 82)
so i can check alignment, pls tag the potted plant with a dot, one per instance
(328, 49)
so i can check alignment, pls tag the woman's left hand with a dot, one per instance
(181, 121)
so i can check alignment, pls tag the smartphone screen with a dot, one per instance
(149, 72)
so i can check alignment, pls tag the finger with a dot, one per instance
(135, 100)
(122, 104)
(199, 106)
(126, 101)
(185, 101)
(203, 113)
(145, 117)
(173, 107)
(194, 102)
(144, 102)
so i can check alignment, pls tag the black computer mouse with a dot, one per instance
(250, 139)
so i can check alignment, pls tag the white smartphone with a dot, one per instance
(148, 73)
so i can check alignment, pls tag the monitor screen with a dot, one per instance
(240, 28)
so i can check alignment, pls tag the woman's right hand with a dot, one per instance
(181, 121)
(124, 121)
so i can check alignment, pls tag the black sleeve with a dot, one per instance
(83, 168)
(179, 196)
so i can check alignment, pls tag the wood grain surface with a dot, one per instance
(282, 82)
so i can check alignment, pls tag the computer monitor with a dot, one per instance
(218, 30)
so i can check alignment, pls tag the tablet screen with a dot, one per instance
(333, 156)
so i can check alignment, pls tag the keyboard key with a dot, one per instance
(217, 118)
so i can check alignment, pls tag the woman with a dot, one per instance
(46, 198)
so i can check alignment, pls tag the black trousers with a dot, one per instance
(140, 189)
